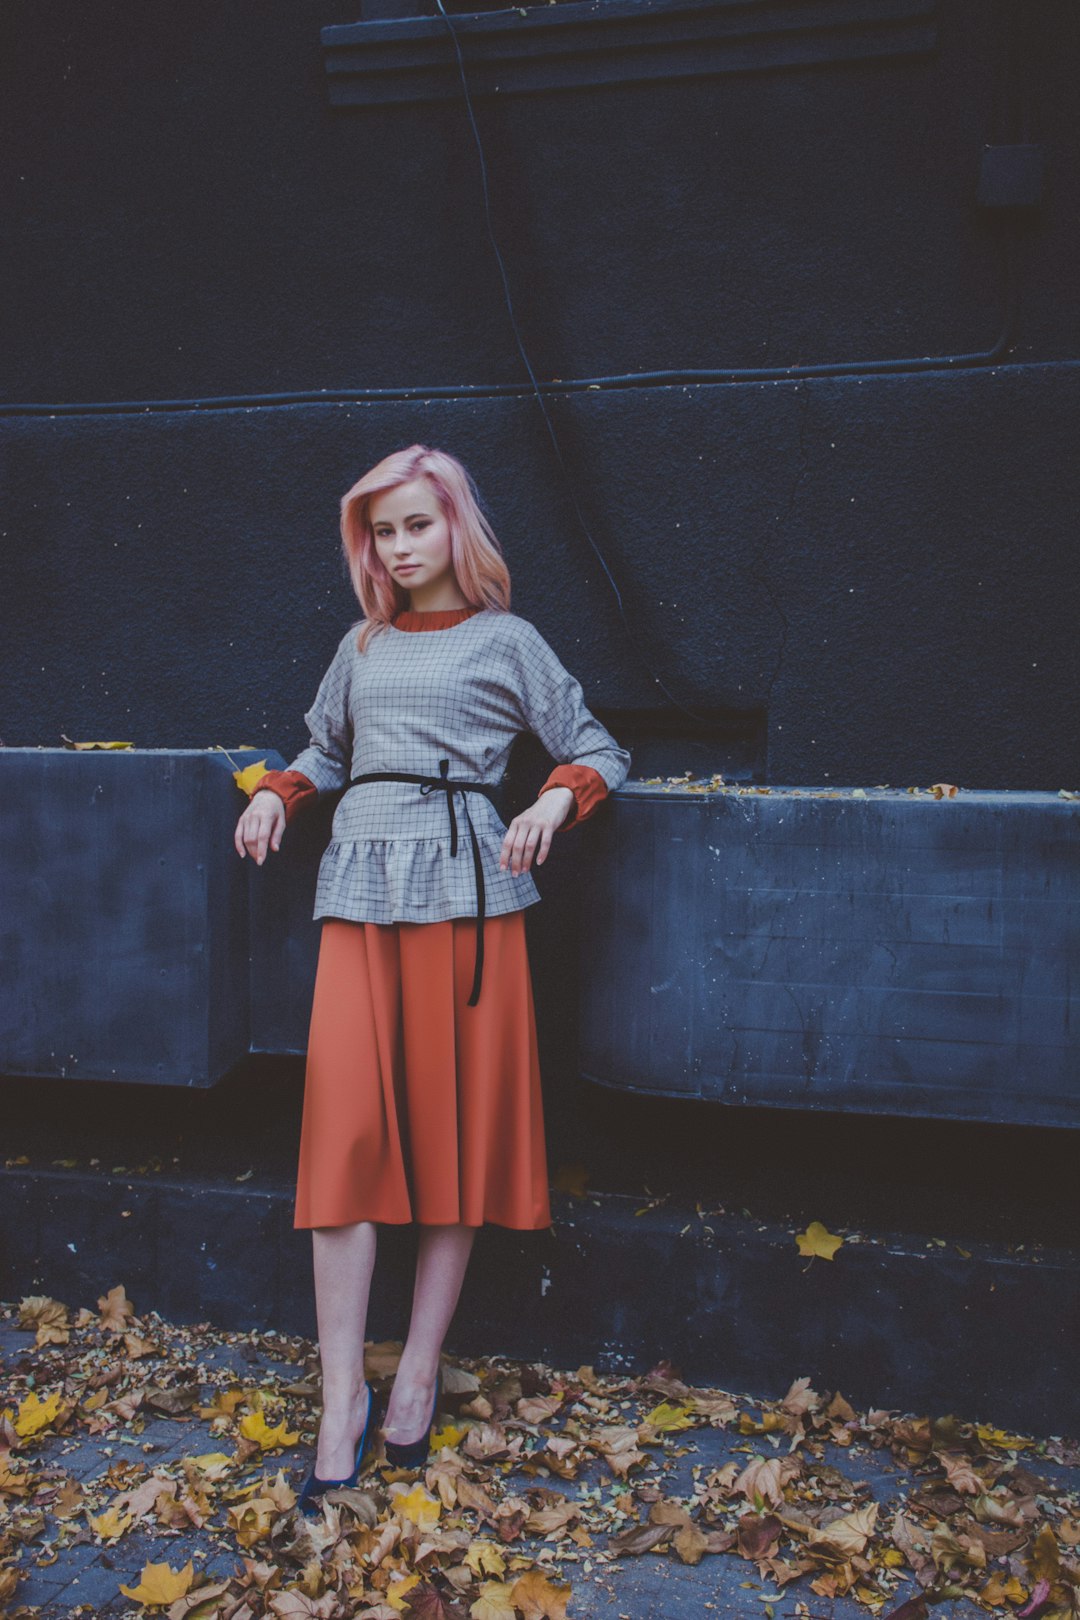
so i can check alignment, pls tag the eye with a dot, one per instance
(421, 523)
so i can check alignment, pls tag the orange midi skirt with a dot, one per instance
(418, 1107)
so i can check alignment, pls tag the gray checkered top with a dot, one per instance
(413, 698)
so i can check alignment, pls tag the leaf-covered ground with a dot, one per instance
(151, 1468)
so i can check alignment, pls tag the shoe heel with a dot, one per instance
(414, 1453)
(313, 1487)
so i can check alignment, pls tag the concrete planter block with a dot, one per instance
(123, 915)
(891, 953)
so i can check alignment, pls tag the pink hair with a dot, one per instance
(475, 554)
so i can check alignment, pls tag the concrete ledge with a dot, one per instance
(866, 951)
(398, 55)
(980, 1330)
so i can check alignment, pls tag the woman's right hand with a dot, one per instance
(261, 826)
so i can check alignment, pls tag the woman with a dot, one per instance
(422, 1097)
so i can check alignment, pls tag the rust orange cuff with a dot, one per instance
(587, 786)
(293, 788)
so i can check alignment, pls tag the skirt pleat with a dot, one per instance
(418, 1107)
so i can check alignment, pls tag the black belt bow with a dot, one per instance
(443, 783)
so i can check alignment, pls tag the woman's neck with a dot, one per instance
(441, 599)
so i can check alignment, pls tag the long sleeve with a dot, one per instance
(588, 759)
(325, 765)
(293, 788)
(586, 784)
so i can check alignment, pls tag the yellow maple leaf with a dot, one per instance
(998, 1437)
(102, 744)
(484, 1558)
(255, 1427)
(448, 1436)
(395, 1592)
(249, 778)
(110, 1524)
(818, 1240)
(418, 1504)
(1000, 1590)
(158, 1585)
(36, 1414)
(494, 1602)
(669, 1416)
(223, 1403)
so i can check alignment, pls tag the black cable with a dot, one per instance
(527, 363)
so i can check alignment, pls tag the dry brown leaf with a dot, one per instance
(801, 1398)
(47, 1318)
(117, 1312)
(846, 1535)
(538, 1598)
(763, 1479)
(758, 1535)
(690, 1544)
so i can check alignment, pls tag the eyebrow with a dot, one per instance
(410, 519)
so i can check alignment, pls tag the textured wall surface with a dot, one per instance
(867, 574)
(880, 564)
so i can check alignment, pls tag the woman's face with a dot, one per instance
(412, 538)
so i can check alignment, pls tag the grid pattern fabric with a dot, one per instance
(463, 694)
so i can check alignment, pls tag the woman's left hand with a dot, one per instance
(530, 833)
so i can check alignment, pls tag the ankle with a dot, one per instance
(418, 1369)
(341, 1405)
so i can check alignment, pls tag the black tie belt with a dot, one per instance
(443, 783)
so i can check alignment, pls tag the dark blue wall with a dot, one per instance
(876, 566)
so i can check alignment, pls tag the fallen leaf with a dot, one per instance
(36, 1414)
(117, 1312)
(666, 1416)
(846, 1536)
(249, 778)
(254, 1426)
(159, 1585)
(47, 1318)
(417, 1504)
(538, 1598)
(758, 1535)
(817, 1240)
(494, 1602)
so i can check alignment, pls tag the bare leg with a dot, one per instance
(441, 1261)
(344, 1258)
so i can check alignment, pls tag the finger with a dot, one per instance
(507, 850)
(520, 841)
(528, 846)
(545, 845)
(252, 833)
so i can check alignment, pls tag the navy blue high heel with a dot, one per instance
(413, 1453)
(314, 1487)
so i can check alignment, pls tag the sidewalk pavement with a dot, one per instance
(533, 1504)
